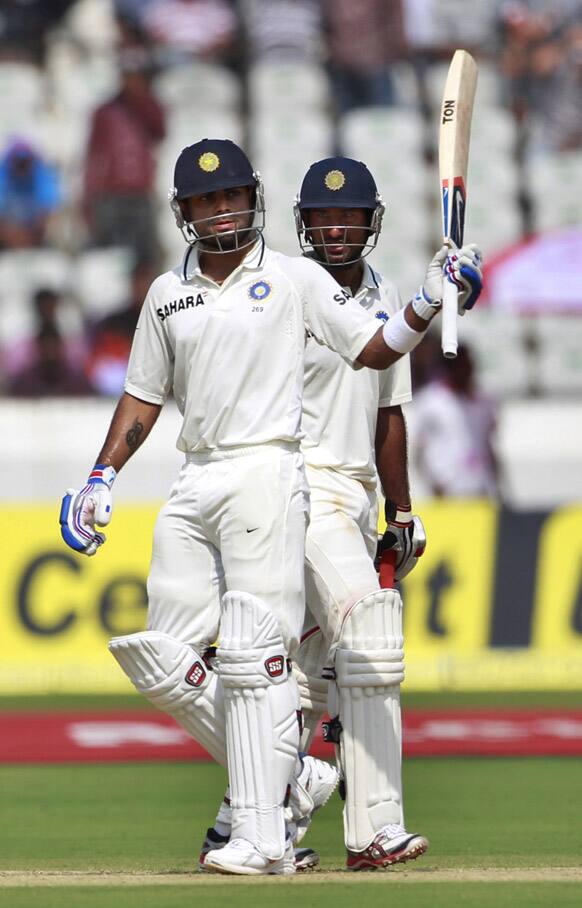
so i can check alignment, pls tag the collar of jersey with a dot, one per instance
(369, 278)
(369, 281)
(251, 262)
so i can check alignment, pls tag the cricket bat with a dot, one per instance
(387, 569)
(454, 135)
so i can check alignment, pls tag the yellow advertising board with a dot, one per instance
(495, 602)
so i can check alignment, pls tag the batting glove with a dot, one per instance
(429, 298)
(405, 535)
(463, 268)
(82, 510)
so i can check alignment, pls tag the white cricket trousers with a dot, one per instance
(234, 521)
(340, 547)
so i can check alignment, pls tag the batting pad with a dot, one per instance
(175, 678)
(262, 730)
(313, 689)
(369, 667)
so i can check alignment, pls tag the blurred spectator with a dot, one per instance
(24, 24)
(437, 27)
(425, 360)
(47, 313)
(541, 59)
(29, 194)
(49, 374)
(365, 39)
(452, 428)
(119, 199)
(204, 29)
(279, 30)
(111, 338)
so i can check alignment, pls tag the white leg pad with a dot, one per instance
(313, 689)
(262, 729)
(175, 678)
(369, 667)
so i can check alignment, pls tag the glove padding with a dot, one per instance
(82, 510)
(405, 535)
(463, 268)
(432, 286)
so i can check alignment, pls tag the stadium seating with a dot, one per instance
(559, 358)
(101, 279)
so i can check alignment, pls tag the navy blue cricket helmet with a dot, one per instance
(338, 182)
(209, 166)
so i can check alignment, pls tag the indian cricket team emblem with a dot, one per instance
(335, 180)
(260, 290)
(209, 162)
(383, 316)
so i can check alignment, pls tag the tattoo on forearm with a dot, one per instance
(133, 437)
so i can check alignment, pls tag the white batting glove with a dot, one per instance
(463, 268)
(404, 535)
(429, 298)
(82, 510)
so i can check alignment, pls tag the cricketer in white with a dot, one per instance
(354, 433)
(228, 547)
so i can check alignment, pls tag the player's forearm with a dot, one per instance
(132, 422)
(392, 455)
(399, 336)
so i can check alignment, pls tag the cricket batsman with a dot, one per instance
(354, 431)
(225, 332)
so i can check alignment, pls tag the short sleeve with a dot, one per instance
(151, 363)
(330, 314)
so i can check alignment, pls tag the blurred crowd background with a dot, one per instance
(99, 96)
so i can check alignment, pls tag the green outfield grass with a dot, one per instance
(484, 817)
(317, 895)
(150, 818)
(413, 700)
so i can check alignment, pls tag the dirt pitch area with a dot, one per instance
(33, 879)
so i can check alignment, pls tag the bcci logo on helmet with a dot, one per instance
(260, 290)
(196, 675)
(275, 666)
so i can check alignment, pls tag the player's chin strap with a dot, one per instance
(262, 729)
(176, 679)
(364, 703)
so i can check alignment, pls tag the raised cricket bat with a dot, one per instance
(454, 135)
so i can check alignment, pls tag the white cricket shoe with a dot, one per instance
(241, 857)
(303, 858)
(392, 845)
(310, 790)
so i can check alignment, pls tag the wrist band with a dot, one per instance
(399, 336)
(399, 514)
(424, 307)
(103, 473)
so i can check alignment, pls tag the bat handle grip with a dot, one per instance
(449, 321)
(387, 569)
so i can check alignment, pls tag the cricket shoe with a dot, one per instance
(304, 858)
(392, 845)
(241, 857)
(310, 790)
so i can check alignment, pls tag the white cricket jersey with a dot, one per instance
(340, 405)
(233, 353)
